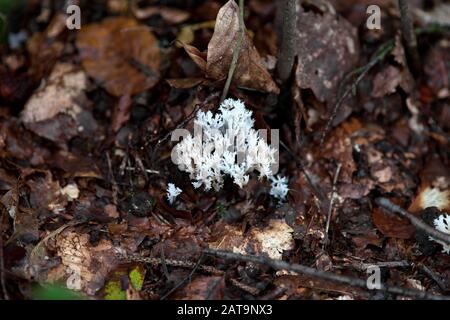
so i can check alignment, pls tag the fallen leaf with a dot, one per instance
(58, 110)
(116, 52)
(171, 15)
(186, 83)
(85, 266)
(328, 49)
(203, 288)
(391, 225)
(272, 240)
(250, 72)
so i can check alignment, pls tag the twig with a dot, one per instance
(145, 170)
(409, 37)
(236, 51)
(2, 265)
(288, 40)
(416, 222)
(282, 265)
(244, 287)
(386, 264)
(174, 263)
(331, 205)
(185, 280)
(379, 56)
(433, 276)
(163, 263)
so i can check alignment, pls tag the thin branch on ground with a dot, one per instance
(174, 263)
(378, 57)
(363, 71)
(245, 287)
(236, 51)
(355, 282)
(433, 276)
(331, 203)
(416, 222)
(2, 264)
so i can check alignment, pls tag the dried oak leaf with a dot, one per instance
(58, 111)
(85, 265)
(328, 49)
(250, 71)
(120, 54)
(272, 240)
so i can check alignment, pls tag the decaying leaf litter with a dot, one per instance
(85, 125)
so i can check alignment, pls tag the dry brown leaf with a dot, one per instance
(198, 57)
(120, 54)
(203, 288)
(328, 49)
(85, 266)
(271, 240)
(57, 110)
(250, 72)
(171, 15)
(391, 225)
(186, 83)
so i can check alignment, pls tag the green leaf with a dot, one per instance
(137, 276)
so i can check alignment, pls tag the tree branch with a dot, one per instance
(288, 40)
(416, 222)
(409, 36)
(355, 282)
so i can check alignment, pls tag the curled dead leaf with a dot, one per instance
(250, 72)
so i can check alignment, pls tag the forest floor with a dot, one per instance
(86, 118)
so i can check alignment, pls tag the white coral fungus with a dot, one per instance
(172, 192)
(279, 188)
(227, 146)
(442, 223)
